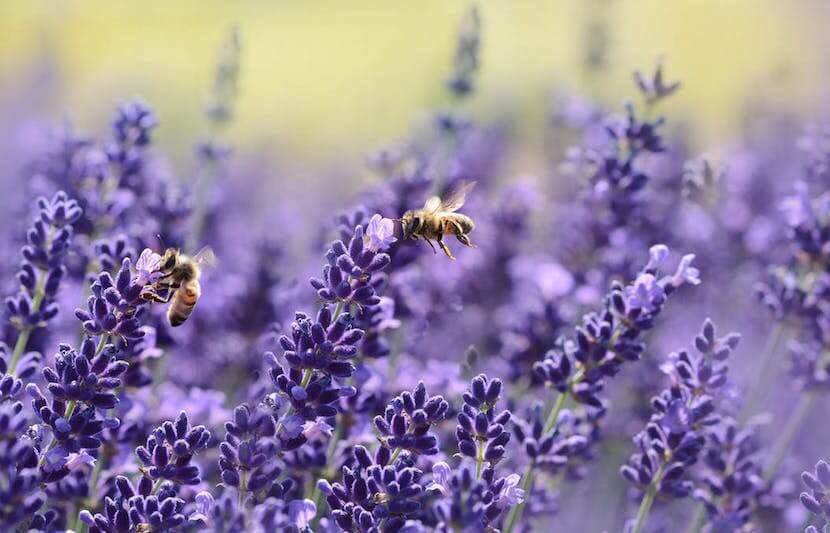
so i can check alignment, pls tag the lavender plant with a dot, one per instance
(404, 392)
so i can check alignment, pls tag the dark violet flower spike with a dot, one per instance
(42, 268)
(168, 452)
(408, 420)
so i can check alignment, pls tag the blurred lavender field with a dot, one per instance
(637, 339)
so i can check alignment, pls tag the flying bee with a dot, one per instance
(178, 282)
(438, 217)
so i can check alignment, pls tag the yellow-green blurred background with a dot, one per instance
(331, 79)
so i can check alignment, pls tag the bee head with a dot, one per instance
(169, 259)
(410, 224)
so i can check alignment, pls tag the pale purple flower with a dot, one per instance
(645, 293)
(204, 506)
(797, 209)
(413, 526)
(292, 426)
(380, 233)
(510, 492)
(316, 430)
(441, 473)
(75, 461)
(656, 255)
(55, 459)
(146, 267)
(301, 513)
(686, 273)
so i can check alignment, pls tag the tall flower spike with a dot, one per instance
(472, 503)
(466, 61)
(42, 268)
(139, 508)
(169, 451)
(684, 415)
(407, 420)
(481, 432)
(347, 278)
(299, 401)
(248, 458)
(732, 483)
(323, 344)
(374, 493)
(115, 306)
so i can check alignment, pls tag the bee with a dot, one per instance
(178, 282)
(438, 217)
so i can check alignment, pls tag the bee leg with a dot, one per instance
(465, 240)
(462, 237)
(429, 242)
(444, 247)
(152, 296)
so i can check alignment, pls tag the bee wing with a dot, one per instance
(432, 204)
(456, 197)
(205, 258)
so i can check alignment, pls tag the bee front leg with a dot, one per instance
(444, 247)
(429, 242)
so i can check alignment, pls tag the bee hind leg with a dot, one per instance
(444, 247)
(462, 237)
(465, 240)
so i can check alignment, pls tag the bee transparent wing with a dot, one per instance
(205, 258)
(432, 204)
(456, 197)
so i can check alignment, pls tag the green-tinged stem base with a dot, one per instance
(527, 480)
(760, 370)
(645, 507)
(785, 439)
(698, 520)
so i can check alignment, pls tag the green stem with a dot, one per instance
(23, 338)
(648, 501)
(479, 461)
(782, 445)
(761, 369)
(102, 343)
(527, 480)
(243, 486)
(37, 301)
(306, 377)
(316, 493)
(395, 453)
(338, 309)
(19, 348)
(157, 486)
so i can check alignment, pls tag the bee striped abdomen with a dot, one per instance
(183, 302)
